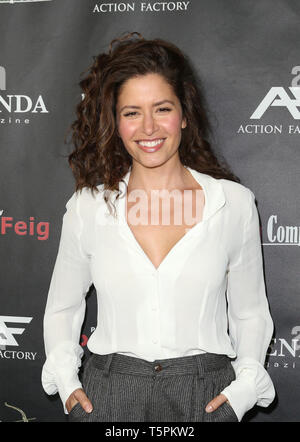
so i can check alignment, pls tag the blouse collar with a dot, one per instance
(212, 187)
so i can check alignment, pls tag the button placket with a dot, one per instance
(154, 306)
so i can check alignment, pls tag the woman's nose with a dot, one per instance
(149, 124)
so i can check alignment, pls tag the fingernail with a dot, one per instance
(89, 409)
(209, 408)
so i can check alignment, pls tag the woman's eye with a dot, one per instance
(163, 109)
(129, 113)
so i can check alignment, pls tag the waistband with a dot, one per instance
(201, 364)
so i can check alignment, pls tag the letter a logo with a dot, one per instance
(277, 96)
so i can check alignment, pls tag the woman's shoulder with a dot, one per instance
(237, 194)
(84, 201)
(234, 188)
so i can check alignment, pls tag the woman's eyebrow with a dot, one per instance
(154, 104)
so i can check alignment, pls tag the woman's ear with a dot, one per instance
(184, 123)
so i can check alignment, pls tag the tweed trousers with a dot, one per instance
(129, 389)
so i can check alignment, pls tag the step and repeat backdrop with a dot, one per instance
(246, 54)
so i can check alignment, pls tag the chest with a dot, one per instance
(158, 225)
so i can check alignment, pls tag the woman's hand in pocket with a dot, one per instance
(79, 395)
(216, 402)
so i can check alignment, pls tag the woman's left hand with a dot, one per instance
(216, 402)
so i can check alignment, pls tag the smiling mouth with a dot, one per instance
(151, 146)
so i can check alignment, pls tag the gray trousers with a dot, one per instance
(128, 389)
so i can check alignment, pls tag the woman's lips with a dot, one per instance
(151, 149)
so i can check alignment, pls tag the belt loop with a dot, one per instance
(107, 364)
(200, 365)
(201, 386)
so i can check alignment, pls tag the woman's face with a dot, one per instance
(149, 119)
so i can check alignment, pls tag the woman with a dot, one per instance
(183, 319)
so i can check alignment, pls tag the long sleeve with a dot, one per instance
(65, 308)
(250, 323)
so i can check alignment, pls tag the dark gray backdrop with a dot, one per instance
(242, 50)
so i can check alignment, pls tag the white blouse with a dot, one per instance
(207, 295)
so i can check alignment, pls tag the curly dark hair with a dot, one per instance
(99, 156)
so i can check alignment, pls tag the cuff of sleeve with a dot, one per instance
(65, 388)
(241, 394)
(60, 371)
(63, 384)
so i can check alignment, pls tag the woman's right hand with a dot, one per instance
(79, 395)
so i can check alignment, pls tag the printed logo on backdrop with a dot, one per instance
(286, 98)
(85, 338)
(39, 230)
(278, 234)
(8, 338)
(23, 1)
(20, 412)
(285, 352)
(17, 108)
(141, 6)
